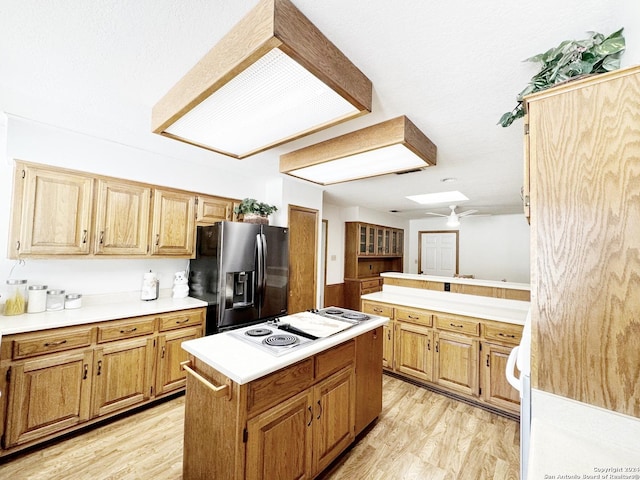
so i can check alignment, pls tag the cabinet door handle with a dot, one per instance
(86, 371)
(456, 325)
(101, 237)
(437, 347)
(377, 310)
(157, 239)
(413, 318)
(320, 412)
(84, 236)
(389, 334)
(375, 334)
(99, 367)
(429, 345)
(487, 359)
(506, 335)
(55, 344)
(185, 320)
(131, 330)
(310, 417)
(163, 352)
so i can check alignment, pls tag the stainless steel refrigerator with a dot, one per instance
(242, 271)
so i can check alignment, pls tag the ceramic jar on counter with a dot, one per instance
(37, 301)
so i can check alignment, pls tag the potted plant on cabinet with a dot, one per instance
(252, 211)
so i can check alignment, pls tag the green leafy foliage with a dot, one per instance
(251, 205)
(572, 58)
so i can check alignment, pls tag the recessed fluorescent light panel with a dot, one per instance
(441, 197)
(272, 78)
(395, 145)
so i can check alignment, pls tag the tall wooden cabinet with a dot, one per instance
(583, 151)
(369, 250)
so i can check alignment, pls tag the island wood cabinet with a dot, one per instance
(65, 212)
(289, 424)
(459, 354)
(60, 379)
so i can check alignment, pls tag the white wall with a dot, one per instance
(491, 248)
(40, 143)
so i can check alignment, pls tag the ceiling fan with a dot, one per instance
(453, 219)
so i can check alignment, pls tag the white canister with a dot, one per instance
(150, 286)
(37, 299)
(55, 300)
(72, 300)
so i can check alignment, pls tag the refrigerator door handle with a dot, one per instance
(260, 256)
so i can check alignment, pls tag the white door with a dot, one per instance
(438, 253)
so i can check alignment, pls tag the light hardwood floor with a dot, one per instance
(419, 435)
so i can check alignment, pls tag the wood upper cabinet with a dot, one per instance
(52, 212)
(48, 394)
(122, 218)
(210, 210)
(173, 226)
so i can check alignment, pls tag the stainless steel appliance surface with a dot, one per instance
(281, 335)
(241, 270)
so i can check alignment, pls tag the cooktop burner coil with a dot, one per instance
(280, 340)
(355, 316)
(333, 311)
(258, 332)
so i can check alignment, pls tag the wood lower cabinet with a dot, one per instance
(57, 380)
(122, 374)
(414, 351)
(496, 390)
(285, 428)
(456, 362)
(463, 355)
(48, 395)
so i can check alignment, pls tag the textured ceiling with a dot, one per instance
(452, 67)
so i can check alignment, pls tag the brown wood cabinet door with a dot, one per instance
(173, 230)
(303, 246)
(170, 375)
(414, 350)
(495, 387)
(48, 395)
(369, 378)
(122, 218)
(456, 362)
(122, 374)
(213, 209)
(56, 212)
(279, 441)
(334, 417)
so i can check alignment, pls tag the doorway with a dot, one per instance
(438, 253)
(303, 265)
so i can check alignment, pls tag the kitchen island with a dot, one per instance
(251, 414)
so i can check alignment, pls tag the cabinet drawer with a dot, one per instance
(365, 291)
(454, 323)
(365, 284)
(334, 359)
(188, 318)
(377, 309)
(279, 386)
(503, 332)
(421, 317)
(41, 343)
(125, 329)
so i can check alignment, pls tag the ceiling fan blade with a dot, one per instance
(468, 212)
(436, 214)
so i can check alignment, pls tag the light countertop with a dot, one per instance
(487, 308)
(243, 362)
(462, 281)
(96, 308)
